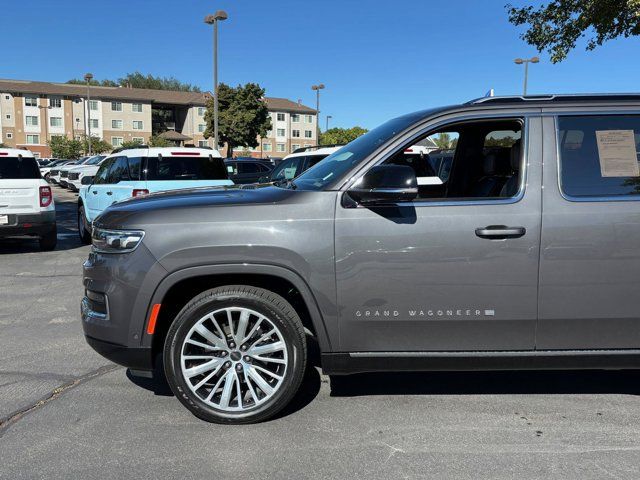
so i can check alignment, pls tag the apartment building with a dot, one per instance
(31, 113)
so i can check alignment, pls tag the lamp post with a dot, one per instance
(317, 89)
(87, 78)
(213, 20)
(326, 127)
(526, 61)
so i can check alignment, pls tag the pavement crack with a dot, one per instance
(57, 392)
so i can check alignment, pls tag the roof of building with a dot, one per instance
(284, 105)
(140, 94)
(173, 135)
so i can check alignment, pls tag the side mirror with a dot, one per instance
(86, 181)
(386, 184)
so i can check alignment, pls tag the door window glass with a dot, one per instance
(599, 155)
(287, 170)
(119, 171)
(102, 174)
(248, 167)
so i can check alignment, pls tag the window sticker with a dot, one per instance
(617, 152)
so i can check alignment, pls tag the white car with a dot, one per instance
(294, 164)
(46, 170)
(54, 173)
(26, 201)
(87, 169)
(64, 171)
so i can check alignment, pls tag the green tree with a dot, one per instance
(63, 147)
(2, 145)
(444, 141)
(243, 116)
(158, 141)
(139, 80)
(557, 26)
(97, 145)
(131, 144)
(341, 136)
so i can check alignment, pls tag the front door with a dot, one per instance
(590, 256)
(98, 189)
(434, 274)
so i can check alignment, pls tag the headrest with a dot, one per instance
(490, 164)
(515, 156)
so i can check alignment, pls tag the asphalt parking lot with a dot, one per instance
(65, 412)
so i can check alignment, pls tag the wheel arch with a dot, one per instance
(175, 291)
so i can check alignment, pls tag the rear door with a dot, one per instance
(19, 187)
(590, 251)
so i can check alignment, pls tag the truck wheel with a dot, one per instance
(235, 354)
(85, 236)
(49, 240)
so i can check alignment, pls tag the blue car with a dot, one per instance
(139, 171)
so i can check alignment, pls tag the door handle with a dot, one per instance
(499, 232)
(109, 193)
(95, 192)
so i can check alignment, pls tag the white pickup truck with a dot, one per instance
(26, 200)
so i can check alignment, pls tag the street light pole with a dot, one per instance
(213, 20)
(327, 124)
(317, 88)
(526, 61)
(87, 78)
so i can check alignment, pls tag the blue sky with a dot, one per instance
(378, 59)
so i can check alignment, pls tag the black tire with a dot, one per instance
(85, 236)
(267, 303)
(49, 240)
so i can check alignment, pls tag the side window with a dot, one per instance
(103, 172)
(119, 171)
(599, 155)
(287, 170)
(232, 168)
(248, 167)
(468, 161)
(313, 159)
(134, 167)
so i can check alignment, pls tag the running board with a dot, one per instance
(361, 362)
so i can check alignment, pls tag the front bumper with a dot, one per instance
(32, 224)
(118, 290)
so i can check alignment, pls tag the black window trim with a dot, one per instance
(556, 135)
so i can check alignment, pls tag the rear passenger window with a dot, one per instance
(599, 155)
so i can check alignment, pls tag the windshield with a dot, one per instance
(325, 173)
(18, 168)
(94, 160)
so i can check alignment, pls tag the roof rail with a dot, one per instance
(132, 147)
(574, 97)
(316, 147)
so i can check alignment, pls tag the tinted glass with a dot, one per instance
(287, 170)
(134, 168)
(248, 167)
(186, 168)
(19, 168)
(599, 155)
(119, 171)
(102, 175)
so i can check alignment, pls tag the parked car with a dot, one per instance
(26, 201)
(247, 170)
(388, 265)
(54, 173)
(139, 171)
(294, 164)
(64, 170)
(46, 170)
(87, 169)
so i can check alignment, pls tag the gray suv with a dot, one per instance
(523, 254)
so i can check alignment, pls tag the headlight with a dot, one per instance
(115, 241)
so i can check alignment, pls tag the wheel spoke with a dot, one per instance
(254, 397)
(268, 348)
(210, 336)
(207, 378)
(262, 338)
(226, 390)
(238, 389)
(203, 367)
(252, 331)
(242, 327)
(200, 344)
(270, 359)
(271, 374)
(260, 382)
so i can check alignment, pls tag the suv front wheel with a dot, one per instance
(235, 354)
(85, 235)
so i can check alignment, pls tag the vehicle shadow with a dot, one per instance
(488, 383)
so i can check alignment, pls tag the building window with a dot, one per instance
(280, 117)
(295, 133)
(308, 145)
(7, 97)
(8, 115)
(308, 134)
(203, 143)
(9, 135)
(308, 118)
(137, 139)
(93, 105)
(30, 101)
(201, 111)
(55, 121)
(94, 123)
(116, 124)
(136, 107)
(116, 106)
(295, 118)
(116, 141)
(33, 139)
(266, 147)
(281, 147)
(55, 102)
(294, 147)
(137, 125)
(31, 120)
(280, 132)
(202, 127)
